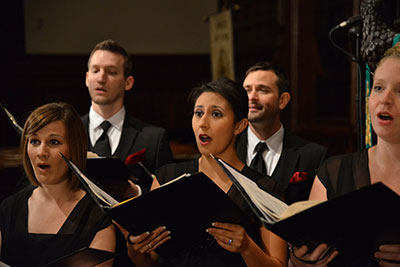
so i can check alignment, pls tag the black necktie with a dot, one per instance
(102, 146)
(258, 162)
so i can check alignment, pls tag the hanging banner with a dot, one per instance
(221, 38)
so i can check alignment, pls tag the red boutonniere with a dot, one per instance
(136, 157)
(298, 177)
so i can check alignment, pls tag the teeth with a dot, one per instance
(204, 138)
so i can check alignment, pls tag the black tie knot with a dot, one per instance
(105, 125)
(260, 147)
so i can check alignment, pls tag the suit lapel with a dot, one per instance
(128, 136)
(85, 121)
(241, 146)
(287, 163)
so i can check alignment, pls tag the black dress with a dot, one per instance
(209, 253)
(20, 248)
(340, 175)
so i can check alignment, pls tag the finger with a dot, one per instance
(160, 242)
(221, 232)
(301, 251)
(390, 248)
(139, 238)
(388, 264)
(153, 239)
(225, 245)
(226, 226)
(329, 258)
(159, 238)
(318, 252)
(390, 256)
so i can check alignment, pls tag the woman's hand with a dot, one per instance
(388, 255)
(144, 243)
(231, 237)
(320, 256)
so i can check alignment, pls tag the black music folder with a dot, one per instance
(186, 206)
(107, 168)
(110, 174)
(85, 257)
(355, 223)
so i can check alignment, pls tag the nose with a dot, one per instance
(252, 94)
(387, 97)
(203, 122)
(101, 76)
(42, 151)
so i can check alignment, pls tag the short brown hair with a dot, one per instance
(112, 46)
(282, 83)
(76, 136)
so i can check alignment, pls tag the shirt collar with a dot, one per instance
(274, 142)
(117, 120)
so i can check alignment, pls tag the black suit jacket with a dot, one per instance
(135, 136)
(298, 155)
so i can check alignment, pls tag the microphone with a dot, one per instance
(349, 22)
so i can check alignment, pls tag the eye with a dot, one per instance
(54, 142)
(34, 142)
(198, 113)
(217, 114)
(378, 88)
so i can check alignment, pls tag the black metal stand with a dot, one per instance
(360, 94)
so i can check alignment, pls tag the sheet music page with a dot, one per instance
(103, 196)
(270, 206)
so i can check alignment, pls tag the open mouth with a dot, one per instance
(385, 117)
(43, 166)
(204, 138)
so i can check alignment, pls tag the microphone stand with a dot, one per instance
(360, 93)
(356, 31)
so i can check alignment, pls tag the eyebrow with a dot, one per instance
(213, 106)
(107, 66)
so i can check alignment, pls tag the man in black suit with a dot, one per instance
(108, 78)
(290, 160)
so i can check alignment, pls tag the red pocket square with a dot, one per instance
(298, 177)
(136, 157)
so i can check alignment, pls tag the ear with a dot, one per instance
(86, 79)
(240, 126)
(284, 100)
(129, 83)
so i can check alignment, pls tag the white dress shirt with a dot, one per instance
(272, 155)
(115, 131)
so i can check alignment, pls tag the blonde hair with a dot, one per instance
(75, 134)
(393, 52)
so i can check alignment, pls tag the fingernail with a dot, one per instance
(164, 227)
(213, 224)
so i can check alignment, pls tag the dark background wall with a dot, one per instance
(292, 33)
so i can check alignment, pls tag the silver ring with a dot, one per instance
(230, 242)
(150, 246)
